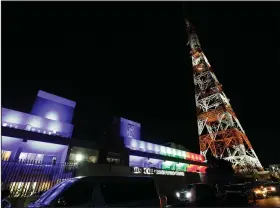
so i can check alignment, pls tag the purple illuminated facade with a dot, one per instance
(51, 115)
(130, 129)
(29, 122)
(52, 107)
(49, 150)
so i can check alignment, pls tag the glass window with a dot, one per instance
(79, 194)
(52, 195)
(92, 159)
(5, 155)
(22, 188)
(125, 191)
(24, 156)
(45, 196)
(168, 165)
(31, 156)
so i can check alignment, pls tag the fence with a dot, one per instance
(30, 178)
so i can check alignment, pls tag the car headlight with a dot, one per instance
(178, 194)
(188, 194)
(257, 191)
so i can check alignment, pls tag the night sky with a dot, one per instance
(130, 59)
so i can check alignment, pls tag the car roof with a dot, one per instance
(238, 184)
(200, 184)
(110, 177)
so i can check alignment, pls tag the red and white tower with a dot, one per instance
(218, 127)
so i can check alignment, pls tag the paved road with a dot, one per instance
(269, 202)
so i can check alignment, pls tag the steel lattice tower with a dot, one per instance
(218, 127)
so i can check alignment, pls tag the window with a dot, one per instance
(79, 194)
(24, 156)
(113, 160)
(5, 155)
(50, 194)
(92, 159)
(49, 159)
(124, 191)
(22, 188)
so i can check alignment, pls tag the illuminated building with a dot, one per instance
(44, 135)
(38, 136)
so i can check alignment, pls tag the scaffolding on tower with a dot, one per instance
(220, 132)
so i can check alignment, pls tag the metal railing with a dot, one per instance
(31, 178)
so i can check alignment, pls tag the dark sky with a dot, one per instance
(130, 59)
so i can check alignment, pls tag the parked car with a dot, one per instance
(270, 187)
(198, 194)
(244, 193)
(257, 191)
(237, 194)
(184, 194)
(103, 191)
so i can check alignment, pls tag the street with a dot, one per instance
(273, 201)
(269, 202)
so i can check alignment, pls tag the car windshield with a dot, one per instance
(188, 187)
(130, 190)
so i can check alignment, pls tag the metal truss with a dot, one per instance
(220, 132)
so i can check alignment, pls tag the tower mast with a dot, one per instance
(220, 132)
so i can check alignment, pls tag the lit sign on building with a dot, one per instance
(151, 171)
(143, 146)
(129, 129)
(144, 162)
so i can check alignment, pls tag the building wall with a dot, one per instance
(16, 146)
(30, 122)
(52, 110)
(10, 144)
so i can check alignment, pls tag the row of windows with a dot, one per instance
(26, 156)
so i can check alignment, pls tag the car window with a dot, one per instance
(80, 193)
(130, 190)
(49, 195)
(56, 193)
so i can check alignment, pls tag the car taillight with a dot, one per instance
(163, 201)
